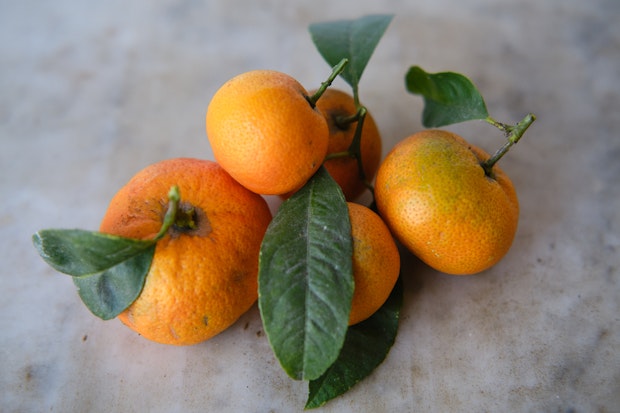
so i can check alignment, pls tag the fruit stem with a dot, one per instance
(499, 125)
(343, 154)
(355, 148)
(336, 70)
(343, 121)
(174, 196)
(513, 133)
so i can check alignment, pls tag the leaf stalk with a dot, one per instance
(174, 197)
(336, 70)
(513, 133)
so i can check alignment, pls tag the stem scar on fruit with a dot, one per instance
(183, 218)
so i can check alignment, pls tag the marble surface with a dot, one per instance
(91, 92)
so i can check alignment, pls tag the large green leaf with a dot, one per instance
(108, 270)
(355, 40)
(365, 347)
(305, 278)
(448, 97)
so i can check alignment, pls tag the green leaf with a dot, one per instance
(365, 347)
(82, 253)
(305, 280)
(355, 40)
(109, 293)
(108, 270)
(448, 97)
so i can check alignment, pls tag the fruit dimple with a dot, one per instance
(190, 220)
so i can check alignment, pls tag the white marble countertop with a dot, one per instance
(91, 92)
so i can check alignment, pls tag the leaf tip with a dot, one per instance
(36, 239)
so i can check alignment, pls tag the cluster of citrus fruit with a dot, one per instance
(269, 137)
(181, 251)
(272, 136)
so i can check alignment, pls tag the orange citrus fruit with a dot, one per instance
(376, 262)
(337, 105)
(203, 276)
(436, 198)
(265, 133)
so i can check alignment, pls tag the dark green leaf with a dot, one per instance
(355, 40)
(448, 97)
(108, 270)
(305, 278)
(82, 253)
(109, 293)
(365, 347)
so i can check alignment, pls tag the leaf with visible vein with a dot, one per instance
(305, 278)
(355, 40)
(108, 270)
(365, 347)
(448, 97)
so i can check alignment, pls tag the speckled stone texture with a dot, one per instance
(91, 92)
